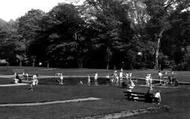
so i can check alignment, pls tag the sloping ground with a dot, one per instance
(112, 100)
(179, 103)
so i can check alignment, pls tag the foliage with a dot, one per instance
(101, 34)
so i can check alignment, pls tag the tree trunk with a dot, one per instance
(47, 64)
(20, 63)
(33, 62)
(80, 62)
(158, 50)
(109, 53)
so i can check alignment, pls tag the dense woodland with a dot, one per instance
(110, 34)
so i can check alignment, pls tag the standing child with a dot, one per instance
(147, 79)
(120, 77)
(116, 78)
(89, 81)
(34, 81)
(61, 79)
(16, 79)
(160, 76)
(96, 79)
(150, 81)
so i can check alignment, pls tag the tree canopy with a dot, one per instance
(101, 34)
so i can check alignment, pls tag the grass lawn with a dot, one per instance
(112, 98)
(179, 102)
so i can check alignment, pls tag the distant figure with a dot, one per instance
(81, 83)
(17, 79)
(157, 97)
(34, 82)
(147, 79)
(174, 81)
(150, 81)
(127, 76)
(166, 78)
(130, 75)
(27, 76)
(160, 76)
(116, 77)
(96, 79)
(35, 79)
(89, 81)
(61, 79)
(121, 77)
(131, 85)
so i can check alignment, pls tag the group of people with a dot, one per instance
(167, 78)
(89, 81)
(122, 79)
(33, 82)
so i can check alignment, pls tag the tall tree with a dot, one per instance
(28, 27)
(61, 35)
(160, 12)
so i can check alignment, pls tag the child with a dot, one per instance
(34, 81)
(150, 81)
(61, 79)
(89, 81)
(160, 76)
(147, 79)
(116, 78)
(96, 79)
(157, 97)
(120, 77)
(17, 79)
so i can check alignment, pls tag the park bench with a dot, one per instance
(139, 96)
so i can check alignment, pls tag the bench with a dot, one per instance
(138, 96)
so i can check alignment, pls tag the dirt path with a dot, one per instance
(10, 85)
(50, 102)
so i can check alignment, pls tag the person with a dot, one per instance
(160, 76)
(121, 77)
(17, 79)
(116, 77)
(89, 81)
(147, 79)
(130, 75)
(81, 83)
(174, 81)
(34, 81)
(150, 81)
(165, 77)
(131, 85)
(127, 76)
(61, 79)
(27, 75)
(157, 97)
(96, 79)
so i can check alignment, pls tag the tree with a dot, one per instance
(160, 13)
(60, 35)
(109, 19)
(28, 27)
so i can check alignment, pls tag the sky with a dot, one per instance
(12, 9)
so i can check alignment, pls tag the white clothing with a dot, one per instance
(16, 80)
(160, 75)
(157, 95)
(96, 76)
